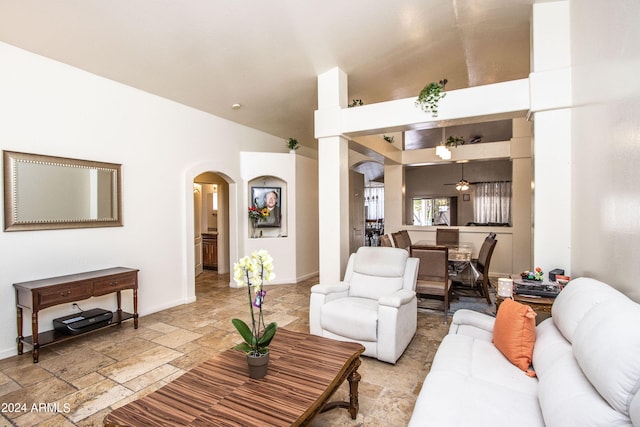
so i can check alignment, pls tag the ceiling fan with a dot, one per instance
(462, 184)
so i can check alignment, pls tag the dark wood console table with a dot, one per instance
(39, 294)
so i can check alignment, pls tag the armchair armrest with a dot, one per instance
(397, 299)
(320, 295)
(330, 289)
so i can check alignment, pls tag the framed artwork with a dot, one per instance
(271, 199)
(466, 197)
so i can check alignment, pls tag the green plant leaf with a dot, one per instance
(269, 333)
(244, 331)
(243, 347)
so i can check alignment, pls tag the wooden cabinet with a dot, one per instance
(210, 251)
(40, 294)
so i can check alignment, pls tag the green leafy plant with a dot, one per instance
(430, 96)
(454, 141)
(292, 144)
(253, 272)
(356, 103)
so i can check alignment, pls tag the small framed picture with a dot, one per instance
(269, 198)
(466, 197)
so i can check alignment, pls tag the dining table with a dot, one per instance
(461, 268)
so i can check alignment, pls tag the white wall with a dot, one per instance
(306, 216)
(51, 108)
(294, 246)
(605, 153)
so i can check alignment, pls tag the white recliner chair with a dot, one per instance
(375, 305)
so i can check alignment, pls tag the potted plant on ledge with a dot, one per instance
(430, 96)
(292, 145)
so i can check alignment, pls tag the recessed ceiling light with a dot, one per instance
(236, 106)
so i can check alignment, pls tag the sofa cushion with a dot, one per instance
(356, 318)
(472, 384)
(481, 360)
(576, 299)
(514, 333)
(550, 346)
(565, 394)
(568, 399)
(606, 345)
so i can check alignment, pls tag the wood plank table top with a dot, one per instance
(304, 372)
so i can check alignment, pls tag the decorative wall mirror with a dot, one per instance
(46, 192)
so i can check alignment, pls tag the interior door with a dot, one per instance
(356, 211)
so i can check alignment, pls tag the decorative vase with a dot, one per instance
(254, 229)
(258, 365)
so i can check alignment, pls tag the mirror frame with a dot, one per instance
(11, 221)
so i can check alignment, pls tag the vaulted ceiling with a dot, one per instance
(265, 56)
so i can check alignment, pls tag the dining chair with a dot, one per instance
(401, 239)
(482, 266)
(406, 237)
(433, 275)
(447, 236)
(385, 240)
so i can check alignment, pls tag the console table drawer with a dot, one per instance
(115, 283)
(60, 295)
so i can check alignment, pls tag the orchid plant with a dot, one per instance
(253, 272)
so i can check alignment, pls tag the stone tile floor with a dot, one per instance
(76, 383)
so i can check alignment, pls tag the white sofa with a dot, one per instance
(586, 357)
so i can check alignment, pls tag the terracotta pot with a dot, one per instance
(258, 365)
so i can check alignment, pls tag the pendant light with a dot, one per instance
(442, 151)
(463, 184)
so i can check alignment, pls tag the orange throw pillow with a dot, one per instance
(514, 333)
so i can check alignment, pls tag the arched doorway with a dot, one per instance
(211, 223)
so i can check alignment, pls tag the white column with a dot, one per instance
(333, 176)
(551, 101)
(522, 195)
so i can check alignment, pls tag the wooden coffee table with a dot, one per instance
(304, 372)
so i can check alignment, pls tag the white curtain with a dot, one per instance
(492, 203)
(374, 202)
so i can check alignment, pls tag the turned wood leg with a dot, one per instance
(20, 337)
(135, 308)
(354, 380)
(119, 299)
(34, 332)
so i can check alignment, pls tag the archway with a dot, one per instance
(211, 229)
(230, 222)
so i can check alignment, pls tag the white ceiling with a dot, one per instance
(210, 54)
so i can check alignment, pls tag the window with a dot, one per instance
(215, 198)
(374, 203)
(432, 211)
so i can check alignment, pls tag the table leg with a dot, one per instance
(20, 336)
(354, 381)
(353, 406)
(119, 299)
(135, 308)
(34, 333)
